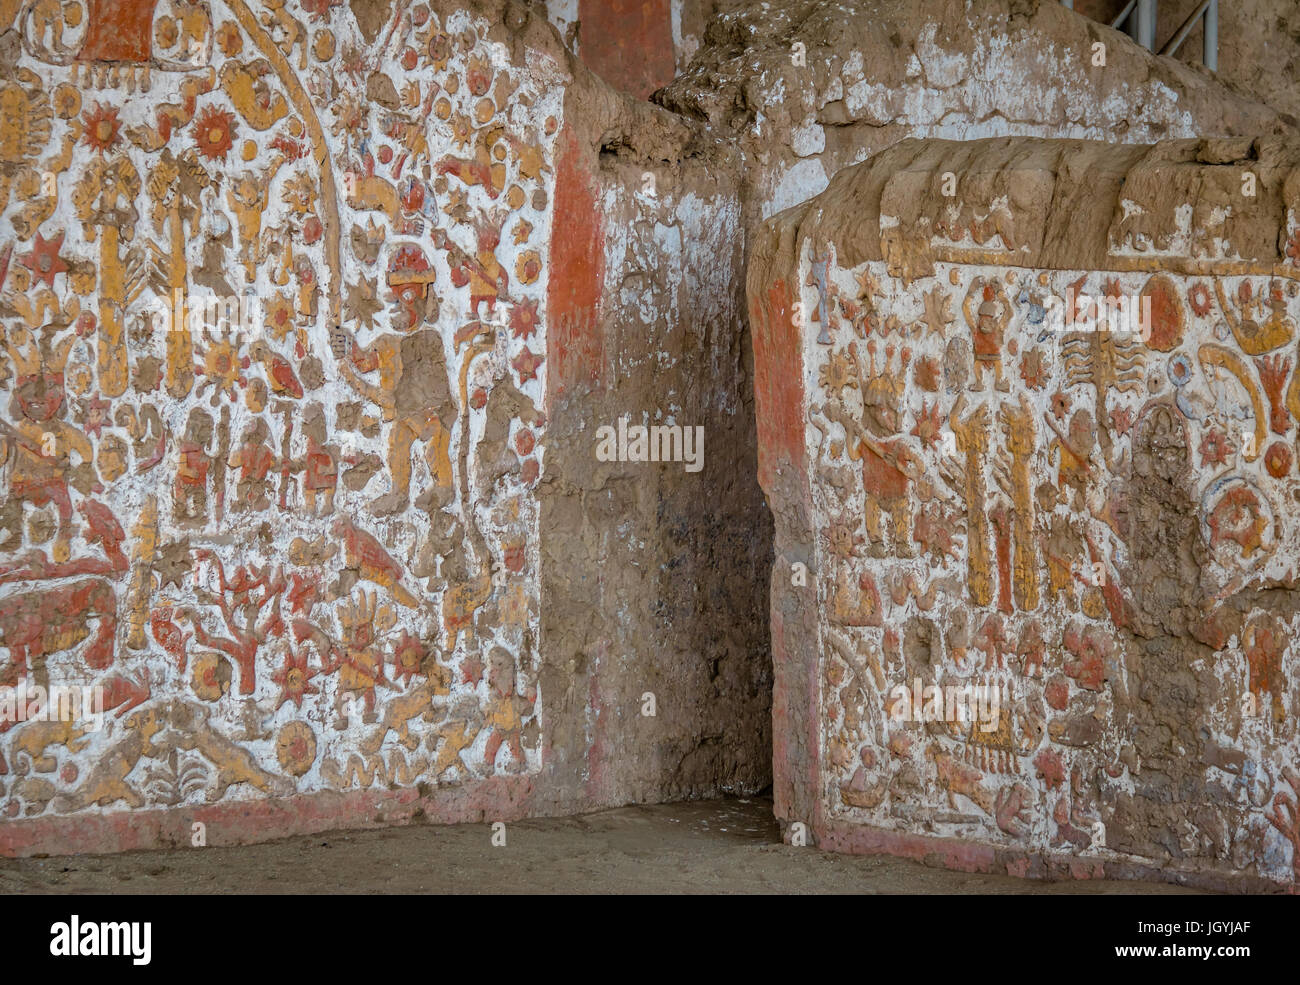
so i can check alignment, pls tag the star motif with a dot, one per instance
(1121, 419)
(929, 424)
(361, 305)
(457, 208)
(526, 364)
(938, 314)
(868, 287)
(94, 415)
(1060, 405)
(303, 594)
(408, 655)
(472, 669)
(523, 319)
(44, 261)
(294, 679)
(172, 563)
(1214, 449)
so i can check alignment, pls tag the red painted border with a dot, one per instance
(973, 856)
(629, 43)
(782, 472)
(778, 385)
(251, 821)
(574, 344)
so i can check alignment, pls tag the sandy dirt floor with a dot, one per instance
(730, 846)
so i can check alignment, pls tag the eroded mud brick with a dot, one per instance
(310, 314)
(807, 88)
(1027, 421)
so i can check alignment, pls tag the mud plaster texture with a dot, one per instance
(876, 71)
(304, 558)
(657, 578)
(1099, 523)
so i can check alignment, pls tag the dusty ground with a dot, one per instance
(730, 846)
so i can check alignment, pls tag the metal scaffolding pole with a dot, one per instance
(1138, 19)
(1211, 52)
(1146, 24)
(1173, 44)
(1123, 16)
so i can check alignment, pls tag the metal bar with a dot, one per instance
(1146, 24)
(1211, 53)
(1123, 14)
(1181, 34)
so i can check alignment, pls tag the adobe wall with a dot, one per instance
(515, 255)
(354, 561)
(1092, 527)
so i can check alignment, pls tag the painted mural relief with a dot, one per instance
(272, 298)
(1015, 497)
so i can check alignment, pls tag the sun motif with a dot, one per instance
(439, 50)
(528, 267)
(101, 128)
(67, 101)
(842, 539)
(462, 131)
(294, 678)
(524, 319)
(840, 371)
(222, 366)
(408, 657)
(295, 748)
(1199, 297)
(214, 132)
(279, 316)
